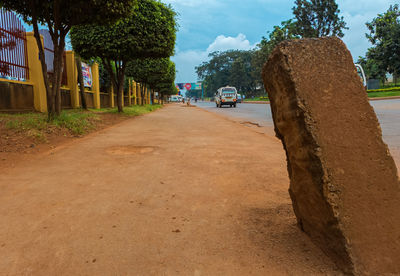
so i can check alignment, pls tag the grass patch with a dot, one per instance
(383, 94)
(77, 122)
(35, 125)
(134, 110)
(265, 99)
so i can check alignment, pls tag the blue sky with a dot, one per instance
(218, 25)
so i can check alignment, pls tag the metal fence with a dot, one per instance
(49, 56)
(13, 49)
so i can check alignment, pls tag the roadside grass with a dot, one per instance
(134, 110)
(383, 94)
(265, 99)
(15, 128)
(35, 125)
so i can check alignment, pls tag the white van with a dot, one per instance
(226, 96)
(175, 98)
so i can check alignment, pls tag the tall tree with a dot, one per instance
(373, 69)
(318, 18)
(384, 34)
(59, 16)
(287, 30)
(149, 32)
(152, 72)
(227, 68)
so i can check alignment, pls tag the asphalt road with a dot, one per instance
(259, 115)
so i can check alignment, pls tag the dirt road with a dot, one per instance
(180, 191)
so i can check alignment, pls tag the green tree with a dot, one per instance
(384, 34)
(373, 69)
(318, 18)
(149, 32)
(153, 72)
(59, 16)
(227, 68)
(287, 30)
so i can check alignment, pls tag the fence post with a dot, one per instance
(72, 78)
(134, 92)
(96, 85)
(35, 73)
(112, 104)
(130, 93)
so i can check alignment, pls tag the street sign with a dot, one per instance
(188, 86)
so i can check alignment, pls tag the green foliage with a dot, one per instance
(287, 30)
(152, 71)
(390, 89)
(384, 34)
(60, 16)
(159, 74)
(232, 68)
(149, 32)
(68, 13)
(318, 18)
(373, 68)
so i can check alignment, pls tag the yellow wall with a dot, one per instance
(35, 74)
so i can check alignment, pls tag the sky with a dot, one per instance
(218, 25)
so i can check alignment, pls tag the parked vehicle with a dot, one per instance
(226, 96)
(360, 72)
(175, 98)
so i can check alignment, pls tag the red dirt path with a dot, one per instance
(177, 192)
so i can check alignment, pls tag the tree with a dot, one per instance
(59, 16)
(227, 68)
(384, 34)
(318, 18)
(373, 68)
(152, 72)
(149, 32)
(81, 83)
(287, 30)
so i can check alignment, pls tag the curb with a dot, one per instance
(371, 99)
(384, 98)
(257, 102)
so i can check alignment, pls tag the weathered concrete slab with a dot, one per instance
(343, 180)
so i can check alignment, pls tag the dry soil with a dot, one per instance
(180, 191)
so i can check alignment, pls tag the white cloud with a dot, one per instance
(223, 43)
(186, 61)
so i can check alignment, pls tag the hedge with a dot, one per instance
(384, 89)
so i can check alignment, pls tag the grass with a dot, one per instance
(75, 122)
(256, 99)
(134, 110)
(383, 94)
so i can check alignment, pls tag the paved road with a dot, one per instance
(388, 112)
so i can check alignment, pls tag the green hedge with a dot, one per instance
(384, 89)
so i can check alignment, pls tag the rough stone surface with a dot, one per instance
(343, 181)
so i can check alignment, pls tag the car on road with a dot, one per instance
(226, 96)
(175, 98)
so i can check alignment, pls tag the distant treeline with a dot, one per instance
(312, 19)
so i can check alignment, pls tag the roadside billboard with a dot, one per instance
(87, 75)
